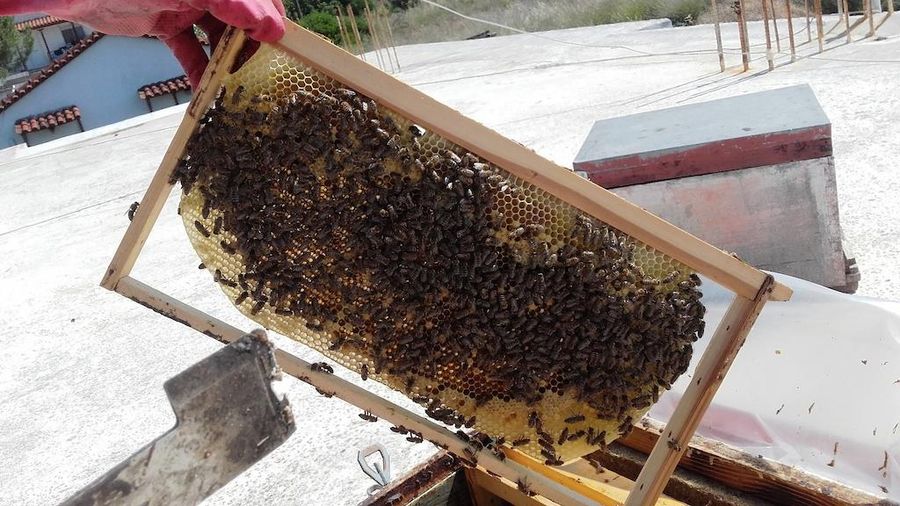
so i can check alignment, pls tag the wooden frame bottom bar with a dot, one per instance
(360, 397)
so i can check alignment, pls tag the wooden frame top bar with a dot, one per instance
(712, 262)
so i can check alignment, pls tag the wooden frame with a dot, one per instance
(751, 286)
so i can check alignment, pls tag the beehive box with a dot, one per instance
(753, 174)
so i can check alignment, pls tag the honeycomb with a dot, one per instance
(331, 219)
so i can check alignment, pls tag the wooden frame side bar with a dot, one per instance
(721, 267)
(708, 375)
(151, 204)
(360, 397)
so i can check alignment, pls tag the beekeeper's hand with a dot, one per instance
(170, 20)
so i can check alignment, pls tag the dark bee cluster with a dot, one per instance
(429, 268)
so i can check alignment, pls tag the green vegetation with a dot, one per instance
(15, 46)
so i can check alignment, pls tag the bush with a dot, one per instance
(322, 23)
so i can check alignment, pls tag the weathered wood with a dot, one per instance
(151, 204)
(775, 25)
(359, 41)
(847, 19)
(769, 55)
(437, 471)
(869, 14)
(526, 164)
(715, 11)
(808, 23)
(708, 375)
(790, 23)
(820, 29)
(742, 32)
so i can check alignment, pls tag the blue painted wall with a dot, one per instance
(102, 82)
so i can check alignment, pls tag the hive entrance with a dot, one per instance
(336, 222)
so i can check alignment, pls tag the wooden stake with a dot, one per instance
(890, 7)
(715, 12)
(870, 14)
(847, 19)
(359, 42)
(769, 55)
(373, 36)
(390, 32)
(713, 365)
(808, 24)
(790, 23)
(345, 40)
(742, 32)
(151, 204)
(775, 25)
(820, 28)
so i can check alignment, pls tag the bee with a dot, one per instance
(415, 131)
(322, 367)
(471, 455)
(498, 453)
(369, 417)
(201, 266)
(364, 372)
(470, 422)
(217, 225)
(415, 437)
(463, 436)
(533, 419)
(205, 210)
(399, 429)
(523, 487)
(241, 298)
(200, 228)
(324, 393)
(236, 96)
(521, 441)
(132, 210)
(563, 436)
(260, 304)
(575, 419)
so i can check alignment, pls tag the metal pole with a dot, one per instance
(769, 55)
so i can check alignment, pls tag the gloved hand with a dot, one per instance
(170, 20)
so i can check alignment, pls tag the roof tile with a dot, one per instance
(166, 87)
(46, 120)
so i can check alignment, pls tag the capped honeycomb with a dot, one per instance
(333, 220)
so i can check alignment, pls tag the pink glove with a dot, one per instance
(170, 20)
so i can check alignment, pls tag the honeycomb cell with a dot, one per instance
(392, 251)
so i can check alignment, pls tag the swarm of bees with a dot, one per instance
(422, 266)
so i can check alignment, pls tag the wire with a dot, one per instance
(640, 52)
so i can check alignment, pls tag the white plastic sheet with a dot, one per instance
(821, 369)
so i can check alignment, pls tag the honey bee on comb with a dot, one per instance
(427, 267)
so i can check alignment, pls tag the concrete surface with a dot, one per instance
(81, 380)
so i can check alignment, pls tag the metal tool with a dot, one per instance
(381, 472)
(228, 418)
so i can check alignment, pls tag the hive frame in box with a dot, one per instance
(752, 287)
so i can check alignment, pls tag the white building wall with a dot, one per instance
(102, 82)
(53, 34)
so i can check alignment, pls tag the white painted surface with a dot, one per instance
(78, 396)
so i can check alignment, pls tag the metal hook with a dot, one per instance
(381, 473)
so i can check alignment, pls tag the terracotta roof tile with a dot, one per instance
(47, 120)
(166, 87)
(54, 67)
(38, 23)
